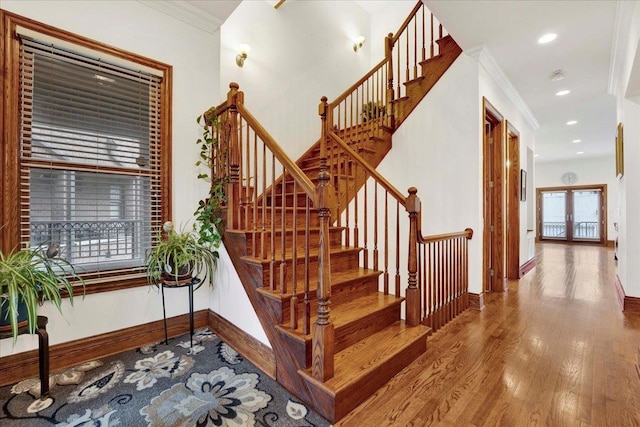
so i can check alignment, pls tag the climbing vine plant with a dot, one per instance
(209, 211)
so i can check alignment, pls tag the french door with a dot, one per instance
(572, 214)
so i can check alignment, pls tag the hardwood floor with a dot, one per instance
(555, 350)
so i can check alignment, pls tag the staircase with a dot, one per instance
(314, 241)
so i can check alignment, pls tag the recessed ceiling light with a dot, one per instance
(547, 38)
(572, 122)
(575, 141)
(580, 152)
(563, 92)
(536, 155)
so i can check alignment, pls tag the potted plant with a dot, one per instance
(29, 277)
(372, 110)
(179, 256)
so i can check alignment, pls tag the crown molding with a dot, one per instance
(186, 13)
(619, 44)
(483, 56)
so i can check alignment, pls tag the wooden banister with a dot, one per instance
(357, 84)
(370, 169)
(292, 168)
(406, 22)
(215, 111)
(438, 272)
(467, 234)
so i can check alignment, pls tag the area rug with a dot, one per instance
(175, 384)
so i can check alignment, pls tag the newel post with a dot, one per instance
(413, 293)
(388, 51)
(323, 332)
(234, 97)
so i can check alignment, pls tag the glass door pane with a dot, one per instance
(554, 215)
(586, 215)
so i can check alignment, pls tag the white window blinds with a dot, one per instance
(89, 159)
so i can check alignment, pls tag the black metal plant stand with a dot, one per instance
(43, 351)
(193, 285)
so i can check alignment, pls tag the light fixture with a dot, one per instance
(243, 50)
(572, 122)
(580, 152)
(357, 43)
(563, 92)
(547, 38)
(536, 155)
(557, 75)
(575, 141)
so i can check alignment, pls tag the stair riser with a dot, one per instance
(301, 199)
(339, 261)
(334, 405)
(335, 239)
(365, 326)
(339, 295)
(360, 390)
(314, 221)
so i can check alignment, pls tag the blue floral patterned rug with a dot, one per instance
(208, 384)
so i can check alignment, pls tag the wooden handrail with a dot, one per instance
(370, 169)
(406, 21)
(292, 168)
(354, 86)
(468, 233)
(215, 111)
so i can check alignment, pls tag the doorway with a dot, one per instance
(572, 214)
(494, 199)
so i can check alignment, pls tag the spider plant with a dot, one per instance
(179, 256)
(29, 277)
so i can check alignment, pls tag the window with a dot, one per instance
(88, 142)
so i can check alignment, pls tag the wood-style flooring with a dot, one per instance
(554, 350)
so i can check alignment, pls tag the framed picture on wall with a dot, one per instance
(523, 185)
(619, 153)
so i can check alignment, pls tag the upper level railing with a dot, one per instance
(366, 108)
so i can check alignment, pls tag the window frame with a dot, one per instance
(10, 131)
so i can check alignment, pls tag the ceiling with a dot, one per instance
(510, 30)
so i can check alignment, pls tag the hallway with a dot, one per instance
(555, 350)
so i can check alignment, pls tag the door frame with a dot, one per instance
(493, 170)
(513, 202)
(603, 213)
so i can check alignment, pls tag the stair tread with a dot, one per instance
(351, 311)
(338, 278)
(412, 81)
(363, 357)
(359, 307)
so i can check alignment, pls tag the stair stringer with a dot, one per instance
(432, 70)
(288, 363)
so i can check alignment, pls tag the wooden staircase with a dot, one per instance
(327, 293)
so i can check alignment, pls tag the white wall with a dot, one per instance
(386, 20)
(299, 53)
(436, 150)
(194, 55)
(592, 170)
(628, 112)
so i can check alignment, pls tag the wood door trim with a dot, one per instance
(513, 203)
(494, 207)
